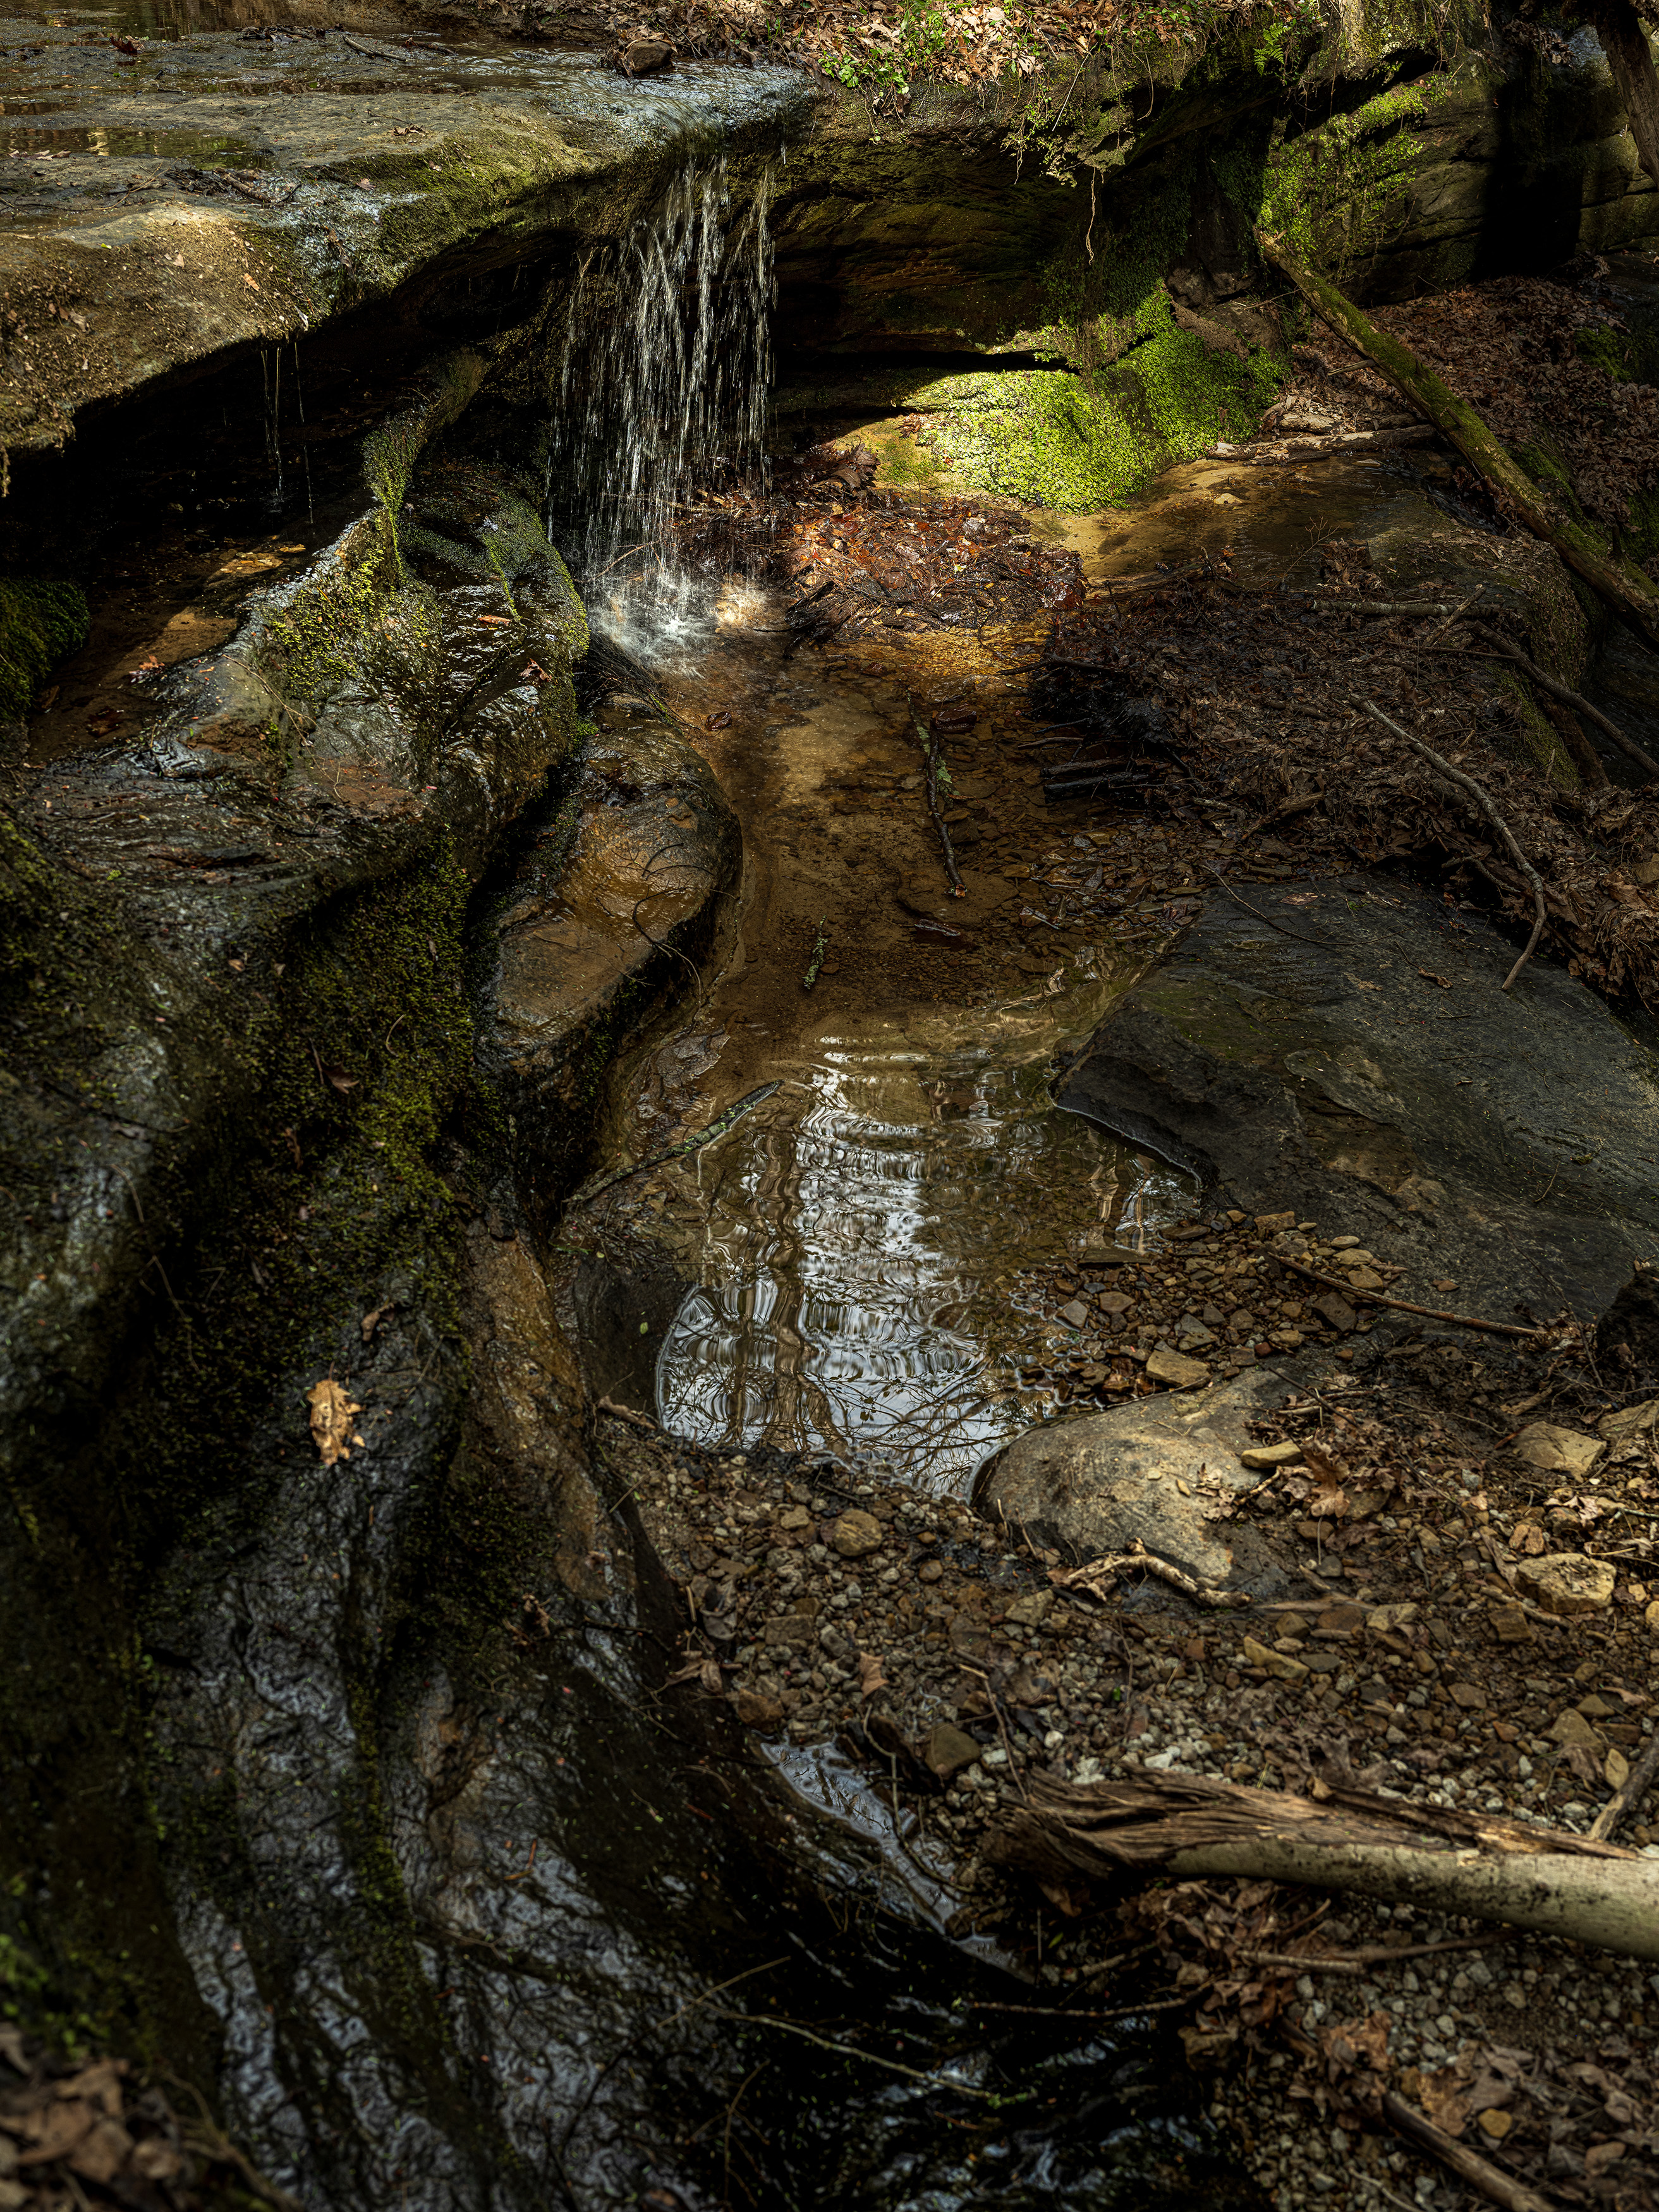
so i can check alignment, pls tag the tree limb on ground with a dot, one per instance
(1347, 1840)
(1620, 582)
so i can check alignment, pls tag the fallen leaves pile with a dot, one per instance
(74, 2133)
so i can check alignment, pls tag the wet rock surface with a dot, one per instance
(1299, 1055)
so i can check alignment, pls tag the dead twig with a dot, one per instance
(1480, 2172)
(1095, 1570)
(1404, 1305)
(1484, 801)
(1629, 1793)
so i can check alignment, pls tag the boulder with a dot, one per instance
(1096, 1485)
(1296, 1059)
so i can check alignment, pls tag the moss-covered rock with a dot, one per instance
(40, 623)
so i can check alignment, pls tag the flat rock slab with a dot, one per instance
(1345, 1053)
(1151, 1472)
(216, 191)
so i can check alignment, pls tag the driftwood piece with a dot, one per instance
(1620, 582)
(1315, 448)
(1095, 1574)
(1484, 800)
(1351, 1841)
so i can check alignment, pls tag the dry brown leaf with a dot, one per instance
(102, 2153)
(333, 1412)
(55, 2130)
(871, 1677)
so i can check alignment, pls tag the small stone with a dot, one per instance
(1510, 1626)
(1467, 1695)
(1556, 1450)
(1365, 1278)
(1652, 1617)
(756, 1709)
(1388, 1617)
(1113, 1302)
(790, 1628)
(1571, 1728)
(856, 1533)
(1263, 1456)
(1342, 1620)
(1567, 1583)
(642, 56)
(1276, 1662)
(1075, 1314)
(1196, 1334)
(931, 1570)
(1030, 1611)
(1495, 2123)
(1171, 1367)
(1596, 1709)
(1267, 1223)
(1335, 1310)
(949, 1751)
(796, 1517)
(1630, 1421)
(1616, 1769)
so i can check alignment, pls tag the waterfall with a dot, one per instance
(660, 381)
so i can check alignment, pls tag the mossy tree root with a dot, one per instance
(1621, 584)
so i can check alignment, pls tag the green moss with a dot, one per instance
(40, 622)
(1077, 441)
(392, 449)
(1338, 194)
(1609, 350)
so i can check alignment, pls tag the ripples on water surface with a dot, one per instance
(859, 1231)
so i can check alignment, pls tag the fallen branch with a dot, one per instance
(1620, 582)
(1094, 1572)
(1347, 441)
(1404, 1305)
(1469, 2164)
(1629, 1793)
(936, 766)
(1483, 800)
(1568, 697)
(1351, 1841)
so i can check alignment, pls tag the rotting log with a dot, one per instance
(1345, 1840)
(1620, 583)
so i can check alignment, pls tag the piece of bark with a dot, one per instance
(1620, 582)
(1349, 1841)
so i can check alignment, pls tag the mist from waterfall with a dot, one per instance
(660, 384)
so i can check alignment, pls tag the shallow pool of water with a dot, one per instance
(856, 1238)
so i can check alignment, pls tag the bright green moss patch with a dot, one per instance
(39, 623)
(1078, 442)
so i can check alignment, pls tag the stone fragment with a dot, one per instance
(1031, 1610)
(856, 1533)
(1494, 2123)
(1616, 1769)
(1276, 1662)
(1652, 1617)
(1195, 1332)
(1113, 1301)
(930, 1570)
(1074, 1314)
(949, 1751)
(1269, 1222)
(1510, 1626)
(790, 1628)
(797, 1517)
(1556, 1450)
(1091, 1485)
(1469, 1695)
(756, 1710)
(1173, 1368)
(1630, 1421)
(1566, 1582)
(1260, 1457)
(1388, 1617)
(1335, 1310)
(1595, 1708)
(1571, 1728)
(1342, 1620)
(644, 57)
(1365, 1278)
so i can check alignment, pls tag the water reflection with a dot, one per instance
(860, 1236)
